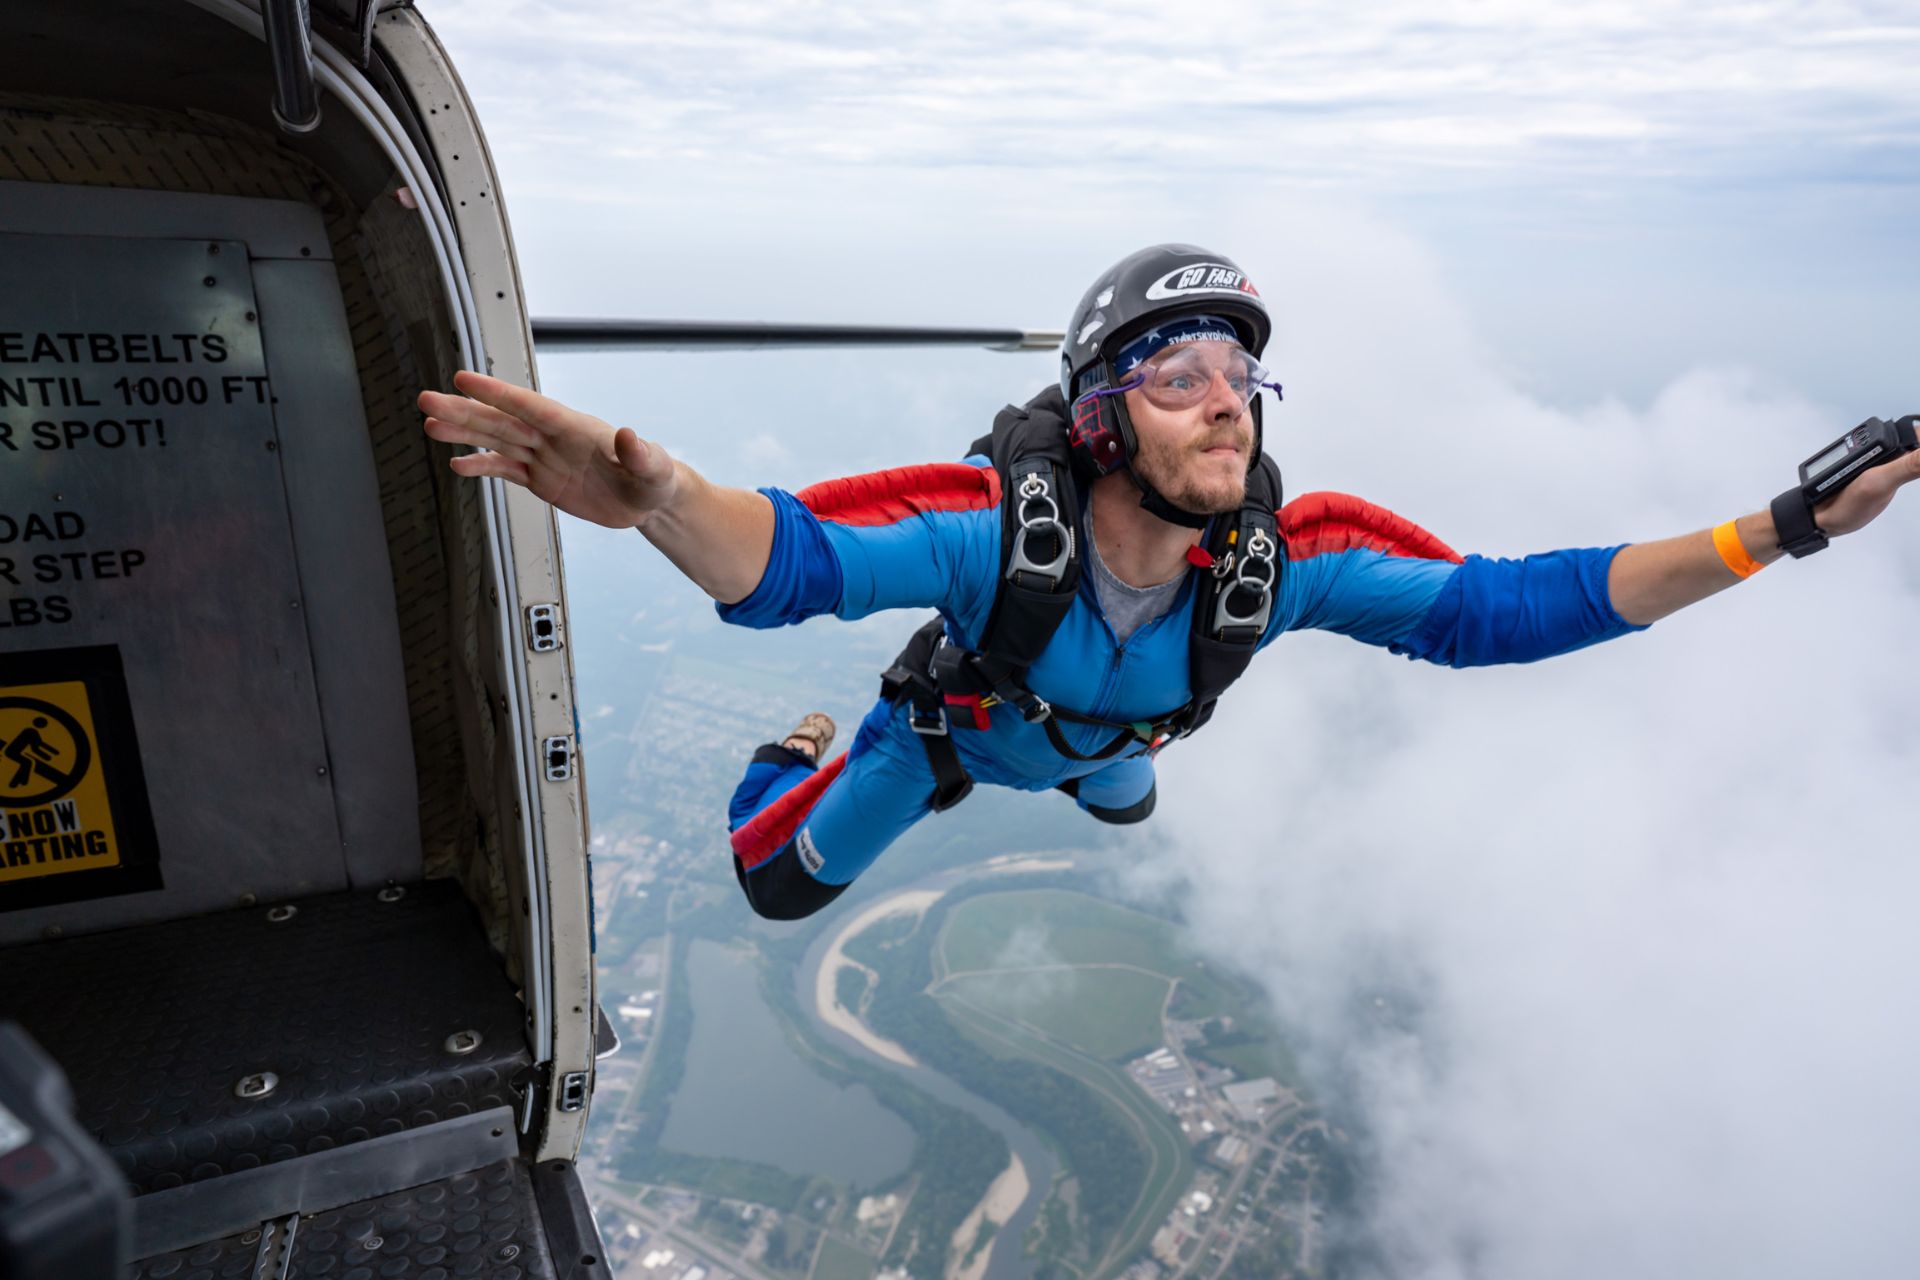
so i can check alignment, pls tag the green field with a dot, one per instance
(1031, 927)
(841, 1261)
(1110, 1013)
(1169, 1166)
(1250, 1061)
(1080, 985)
(1252, 1047)
(1049, 983)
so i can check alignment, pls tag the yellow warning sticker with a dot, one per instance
(55, 812)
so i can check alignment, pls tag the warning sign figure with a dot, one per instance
(32, 752)
(28, 749)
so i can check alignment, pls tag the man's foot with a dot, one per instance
(812, 736)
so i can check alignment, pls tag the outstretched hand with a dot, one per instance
(571, 459)
(1855, 506)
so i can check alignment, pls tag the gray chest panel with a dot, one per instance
(185, 479)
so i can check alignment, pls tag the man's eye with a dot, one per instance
(1180, 382)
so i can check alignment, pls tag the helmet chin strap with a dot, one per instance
(1155, 503)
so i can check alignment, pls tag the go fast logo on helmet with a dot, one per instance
(1201, 277)
(1189, 463)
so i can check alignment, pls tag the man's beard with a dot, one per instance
(1168, 468)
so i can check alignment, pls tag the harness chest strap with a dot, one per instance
(1038, 584)
(910, 679)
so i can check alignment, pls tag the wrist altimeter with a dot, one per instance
(1871, 444)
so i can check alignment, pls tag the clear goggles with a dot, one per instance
(1182, 376)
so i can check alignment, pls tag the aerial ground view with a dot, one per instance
(983, 1064)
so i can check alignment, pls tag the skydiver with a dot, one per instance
(1073, 644)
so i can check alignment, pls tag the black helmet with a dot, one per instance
(1144, 289)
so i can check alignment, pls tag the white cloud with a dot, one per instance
(1619, 190)
(1386, 91)
(1645, 908)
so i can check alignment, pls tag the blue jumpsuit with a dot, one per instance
(928, 537)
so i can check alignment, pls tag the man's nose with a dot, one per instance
(1223, 402)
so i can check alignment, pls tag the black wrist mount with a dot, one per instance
(1871, 444)
(1793, 521)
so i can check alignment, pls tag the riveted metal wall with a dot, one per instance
(395, 326)
(423, 274)
(142, 507)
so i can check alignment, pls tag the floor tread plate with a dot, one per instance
(483, 1225)
(349, 1003)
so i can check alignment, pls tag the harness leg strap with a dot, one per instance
(911, 680)
(951, 781)
(1138, 811)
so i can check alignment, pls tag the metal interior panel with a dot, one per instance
(271, 228)
(319, 469)
(147, 450)
(340, 544)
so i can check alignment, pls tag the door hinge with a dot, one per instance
(533, 1086)
(543, 628)
(557, 755)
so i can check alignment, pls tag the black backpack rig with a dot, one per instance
(949, 688)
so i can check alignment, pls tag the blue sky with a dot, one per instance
(1542, 276)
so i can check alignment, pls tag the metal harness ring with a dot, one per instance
(1035, 490)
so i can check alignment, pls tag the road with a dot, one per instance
(1224, 1232)
(609, 1193)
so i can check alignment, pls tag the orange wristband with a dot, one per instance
(1726, 540)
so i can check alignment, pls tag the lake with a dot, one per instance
(746, 1095)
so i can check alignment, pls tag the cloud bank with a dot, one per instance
(1612, 954)
(1614, 189)
(1385, 93)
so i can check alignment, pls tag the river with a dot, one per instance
(1008, 1260)
(746, 1095)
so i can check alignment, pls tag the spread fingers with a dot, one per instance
(451, 433)
(490, 464)
(529, 408)
(489, 425)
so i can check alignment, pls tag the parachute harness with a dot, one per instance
(1039, 582)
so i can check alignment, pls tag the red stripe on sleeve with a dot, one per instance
(1318, 524)
(763, 835)
(888, 497)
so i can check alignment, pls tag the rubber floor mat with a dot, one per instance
(207, 1046)
(482, 1224)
